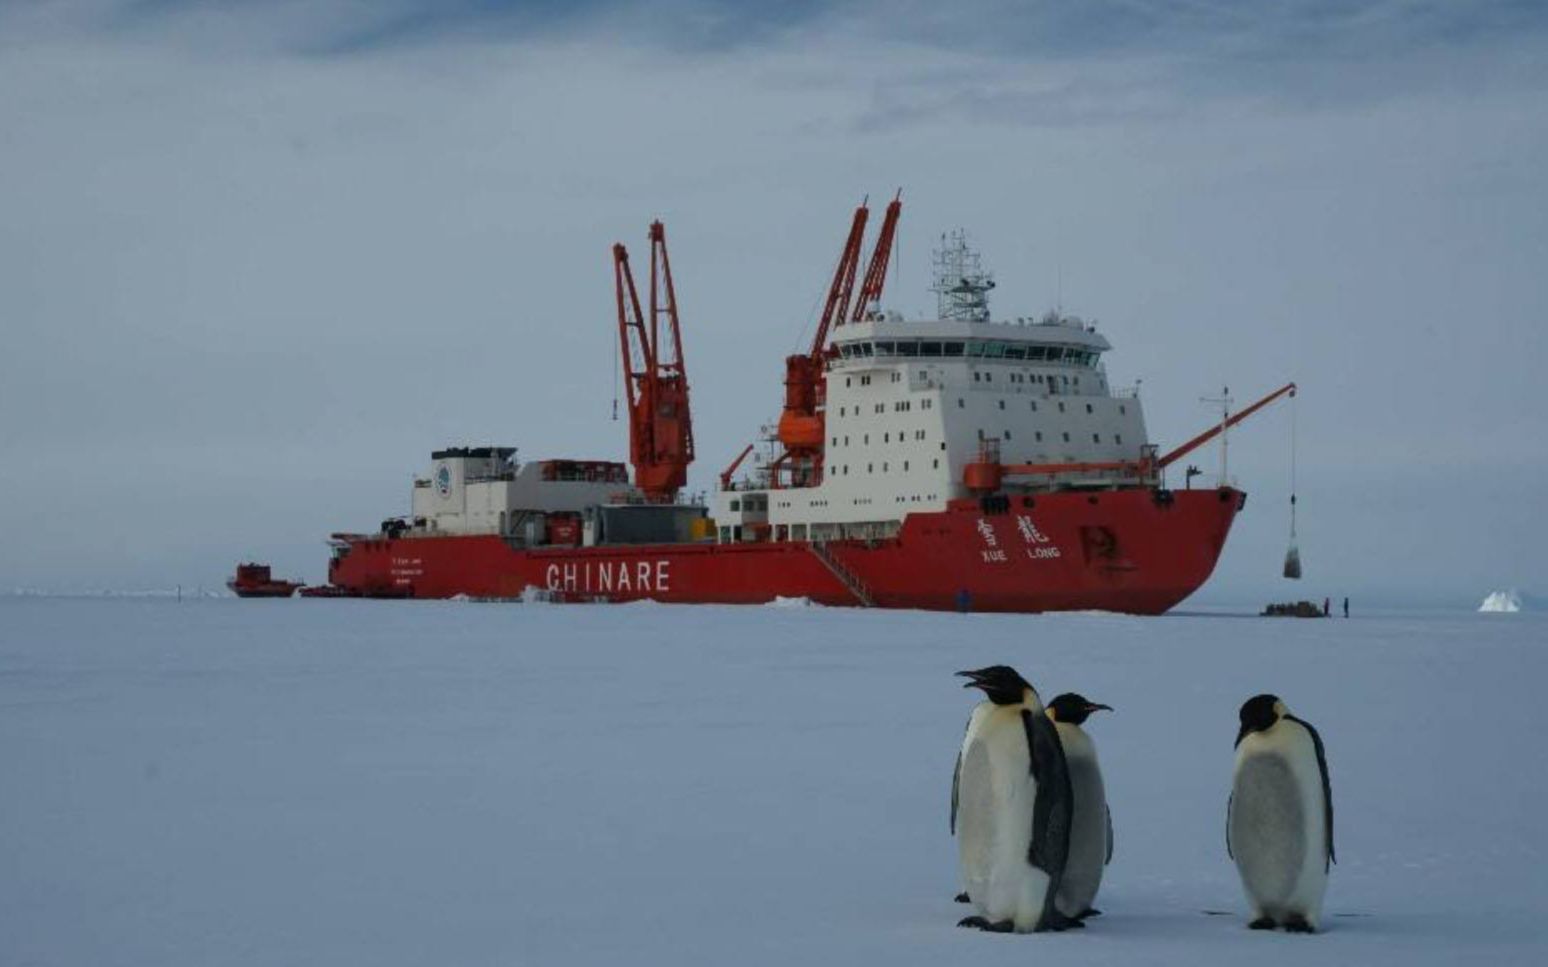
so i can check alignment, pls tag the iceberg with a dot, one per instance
(1502, 602)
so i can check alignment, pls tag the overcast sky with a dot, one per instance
(258, 259)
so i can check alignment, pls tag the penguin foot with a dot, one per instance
(1296, 923)
(1262, 923)
(982, 923)
(1056, 922)
(1089, 912)
(962, 897)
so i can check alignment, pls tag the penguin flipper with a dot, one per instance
(1327, 787)
(1108, 861)
(956, 785)
(1229, 800)
(1053, 809)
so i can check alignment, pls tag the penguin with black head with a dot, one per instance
(1012, 808)
(1279, 819)
(1091, 826)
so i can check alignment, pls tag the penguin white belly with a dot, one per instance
(1088, 827)
(1277, 828)
(996, 793)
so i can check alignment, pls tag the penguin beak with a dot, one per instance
(1097, 707)
(975, 680)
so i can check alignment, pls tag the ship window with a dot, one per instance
(1118, 438)
(846, 441)
(867, 439)
(884, 466)
(884, 348)
(960, 404)
(1002, 404)
(975, 349)
(886, 438)
(908, 347)
(870, 468)
(977, 376)
(943, 444)
(935, 464)
(1039, 435)
(929, 349)
(1037, 352)
(1055, 353)
(1066, 438)
(1088, 405)
(1061, 407)
(1096, 438)
(736, 505)
(1007, 434)
(1121, 409)
(897, 377)
(1015, 352)
(951, 349)
(994, 350)
(1034, 406)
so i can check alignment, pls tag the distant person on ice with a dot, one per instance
(1346, 607)
(1327, 608)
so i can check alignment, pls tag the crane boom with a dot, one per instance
(876, 272)
(1214, 431)
(660, 421)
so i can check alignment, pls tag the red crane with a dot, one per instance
(801, 425)
(660, 425)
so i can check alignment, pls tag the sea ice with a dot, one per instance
(327, 782)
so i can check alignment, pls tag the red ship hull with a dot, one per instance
(1137, 550)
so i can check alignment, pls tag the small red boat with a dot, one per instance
(256, 581)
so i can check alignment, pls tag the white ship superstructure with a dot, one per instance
(910, 404)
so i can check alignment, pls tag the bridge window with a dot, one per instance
(951, 349)
(929, 349)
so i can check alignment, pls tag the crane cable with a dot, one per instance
(1292, 469)
(1293, 554)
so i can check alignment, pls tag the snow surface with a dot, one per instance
(1501, 602)
(378, 783)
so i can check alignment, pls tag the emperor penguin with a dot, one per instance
(1091, 829)
(1279, 819)
(1011, 808)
